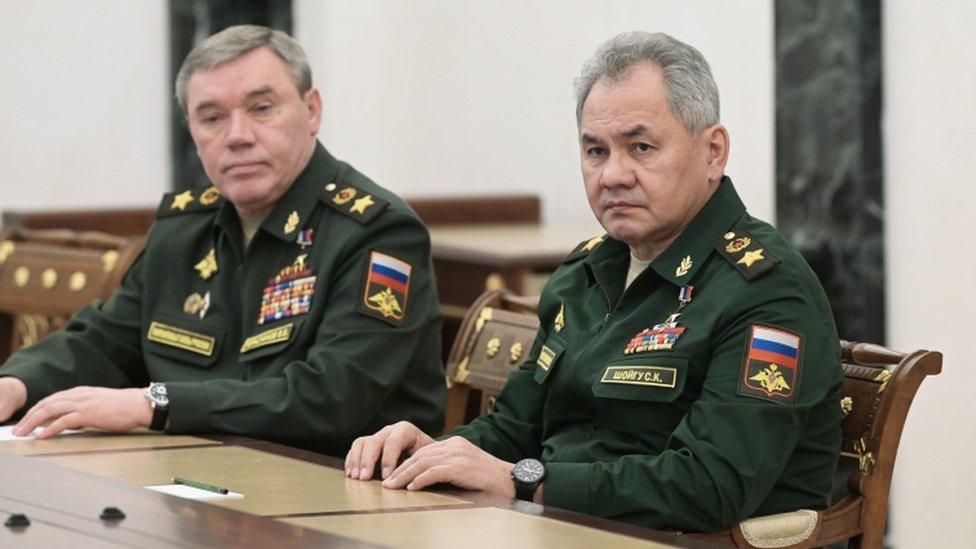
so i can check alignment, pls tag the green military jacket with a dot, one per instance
(704, 393)
(326, 328)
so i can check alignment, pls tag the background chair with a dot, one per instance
(47, 275)
(879, 386)
(494, 337)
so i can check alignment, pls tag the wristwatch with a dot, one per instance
(528, 474)
(159, 400)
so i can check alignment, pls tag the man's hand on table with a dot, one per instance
(455, 461)
(13, 396)
(96, 407)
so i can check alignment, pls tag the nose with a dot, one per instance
(239, 133)
(617, 173)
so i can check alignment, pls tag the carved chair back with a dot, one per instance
(47, 275)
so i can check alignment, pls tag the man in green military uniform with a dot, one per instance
(293, 300)
(687, 367)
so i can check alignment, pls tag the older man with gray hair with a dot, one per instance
(686, 370)
(292, 300)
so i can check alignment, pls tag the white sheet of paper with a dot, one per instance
(6, 433)
(189, 492)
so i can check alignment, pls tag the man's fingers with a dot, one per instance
(352, 457)
(40, 414)
(371, 452)
(71, 420)
(393, 448)
(433, 475)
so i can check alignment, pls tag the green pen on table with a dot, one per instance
(200, 485)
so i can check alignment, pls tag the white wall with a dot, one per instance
(447, 97)
(83, 106)
(930, 132)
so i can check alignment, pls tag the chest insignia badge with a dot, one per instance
(208, 265)
(305, 238)
(662, 336)
(560, 319)
(197, 304)
(289, 293)
(684, 267)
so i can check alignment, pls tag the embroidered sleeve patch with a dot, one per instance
(387, 288)
(771, 368)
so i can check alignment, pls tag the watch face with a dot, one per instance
(529, 471)
(157, 392)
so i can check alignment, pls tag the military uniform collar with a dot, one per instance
(679, 262)
(293, 209)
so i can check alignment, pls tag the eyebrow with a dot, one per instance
(636, 131)
(263, 90)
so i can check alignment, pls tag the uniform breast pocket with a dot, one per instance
(270, 341)
(644, 378)
(175, 338)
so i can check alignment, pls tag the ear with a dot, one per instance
(717, 142)
(314, 103)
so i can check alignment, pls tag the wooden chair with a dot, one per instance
(47, 275)
(879, 386)
(493, 339)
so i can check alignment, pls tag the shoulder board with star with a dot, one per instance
(189, 201)
(746, 253)
(584, 248)
(353, 201)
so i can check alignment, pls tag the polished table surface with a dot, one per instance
(541, 245)
(293, 497)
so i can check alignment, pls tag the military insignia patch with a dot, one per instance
(289, 293)
(209, 196)
(771, 369)
(387, 287)
(747, 254)
(208, 265)
(662, 336)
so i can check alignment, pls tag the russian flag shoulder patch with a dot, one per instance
(387, 288)
(771, 367)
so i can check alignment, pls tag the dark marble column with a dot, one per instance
(190, 22)
(828, 152)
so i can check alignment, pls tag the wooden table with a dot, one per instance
(291, 498)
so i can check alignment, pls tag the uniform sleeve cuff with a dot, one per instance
(567, 485)
(188, 407)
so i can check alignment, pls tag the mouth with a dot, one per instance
(618, 206)
(242, 167)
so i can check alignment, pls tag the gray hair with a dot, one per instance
(692, 92)
(233, 42)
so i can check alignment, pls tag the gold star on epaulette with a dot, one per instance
(751, 257)
(360, 205)
(181, 200)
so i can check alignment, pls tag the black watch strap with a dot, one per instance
(160, 415)
(526, 491)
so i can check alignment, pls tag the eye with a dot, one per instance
(596, 152)
(211, 119)
(262, 110)
(643, 147)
